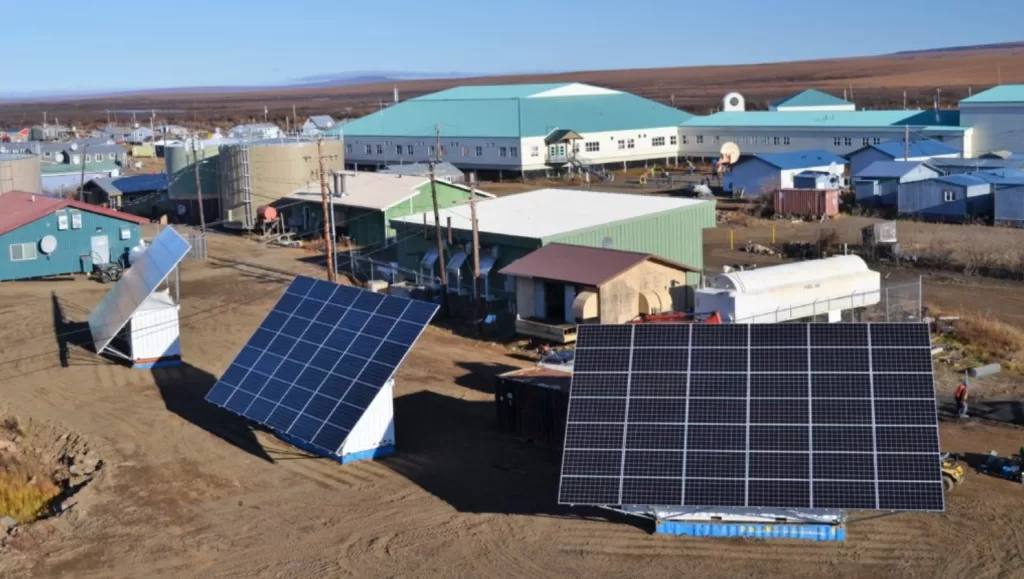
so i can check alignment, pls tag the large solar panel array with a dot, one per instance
(138, 282)
(829, 416)
(319, 358)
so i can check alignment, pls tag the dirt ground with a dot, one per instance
(188, 490)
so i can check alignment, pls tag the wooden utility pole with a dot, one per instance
(478, 289)
(81, 187)
(445, 311)
(328, 234)
(199, 186)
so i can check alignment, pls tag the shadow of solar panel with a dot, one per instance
(319, 358)
(770, 415)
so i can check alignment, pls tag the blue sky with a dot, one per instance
(122, 44)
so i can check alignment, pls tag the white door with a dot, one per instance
(100, 247)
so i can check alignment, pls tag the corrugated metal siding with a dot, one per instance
(806, 202)
(155, 334)
(366, 227)
(376, 427)
(866, 191)
(1009, 206)
(677, 235)
(422, 202)
(925, 199)
(73, 245)
(754, 177)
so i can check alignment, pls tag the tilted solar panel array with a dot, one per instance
(838, 416)
(319, 358)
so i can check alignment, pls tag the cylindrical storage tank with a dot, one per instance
(778, 276)
(261, 172)
(266, 213)
(20, 173)
(181, 178)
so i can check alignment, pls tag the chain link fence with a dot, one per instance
(898, 301)
(197, 241)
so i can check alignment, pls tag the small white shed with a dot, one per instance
(153, 333)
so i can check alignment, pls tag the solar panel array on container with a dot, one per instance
(829, 416)
(319, 358)
(138, 282)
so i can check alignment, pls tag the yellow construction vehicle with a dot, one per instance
(952, 472)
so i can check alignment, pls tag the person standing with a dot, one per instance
(961, 399)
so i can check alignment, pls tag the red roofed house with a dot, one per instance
(559, 285)
(44, 236)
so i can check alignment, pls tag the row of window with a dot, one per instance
(62, 220)
(777, 140)
(410, 150)
(97, 157)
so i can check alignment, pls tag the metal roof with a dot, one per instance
(889, 169)
(67, 168)
(930, 119)
(810, 98)
(591, 266)
(14, 156)
(494, 91)
(132, 184)
(18, 208)
(962, 179)
(548, 212)
(379, 191)
(917, 148)
(423, 169)
(798, 159)
(976, 163)
(517, 113)
(322, 121)
(1001, 176)
(1006, 93)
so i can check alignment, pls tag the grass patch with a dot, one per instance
(25, 496)
(983, 339)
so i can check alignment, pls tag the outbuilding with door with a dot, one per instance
(42, 236)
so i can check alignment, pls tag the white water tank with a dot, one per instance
(800, 273)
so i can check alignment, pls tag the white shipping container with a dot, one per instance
(374, 434)
(154, 334)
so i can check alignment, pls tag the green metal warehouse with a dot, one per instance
(367, 202)
(42, 236)
(513, 226)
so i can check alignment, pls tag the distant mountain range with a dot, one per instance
(374, 77)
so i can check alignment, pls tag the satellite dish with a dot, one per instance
(73, 146)
(182, 209)
(733, 102)
(730, 153)
(834, 168)
(608, 243)
(48, 244)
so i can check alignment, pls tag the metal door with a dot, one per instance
(100, 248)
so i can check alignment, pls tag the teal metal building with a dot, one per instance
(42, 236)
(513, 226)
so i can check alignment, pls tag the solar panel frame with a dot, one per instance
(315, 390)
(838, 427)
(137, 283)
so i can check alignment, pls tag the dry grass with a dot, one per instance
(983, 339)
(24, 495)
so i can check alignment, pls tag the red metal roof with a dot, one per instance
(590, 266)
(18, 208)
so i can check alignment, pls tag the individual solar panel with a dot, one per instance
(319, 359)
(138, 282)
(838, 416)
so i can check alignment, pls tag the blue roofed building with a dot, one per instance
(840, 132)
(517, 128)
(878, 183)
(997, 117)
(916, 150)
(812, 100)
(953, 198)
(760, 174)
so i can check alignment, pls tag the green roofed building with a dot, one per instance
(517, 128)
(997, 117)
(812, 100)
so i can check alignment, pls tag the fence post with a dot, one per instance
(920, 298)
(886, 303)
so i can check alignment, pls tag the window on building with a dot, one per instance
(47, 154)
(630, 144)
(785, 140)
(876, 141)
(126, 233)
(622, 144)
(865, 141)
(409, 150)
(673, 140)
(23, 251)
(348, 149)
(62, 220)
(479, 151)
(444, 151)
(112, 156)
(369, 149)
(716, 139)
(76, 220)
(592, 146)
(700, 139)
(948, 196)
(431, 150)
(776, 141)
(503, 151)
(398, 150)
(514, 151)
(534, 151)
(847, 141)
(658, 142)
(380, 149)
(838, 141)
